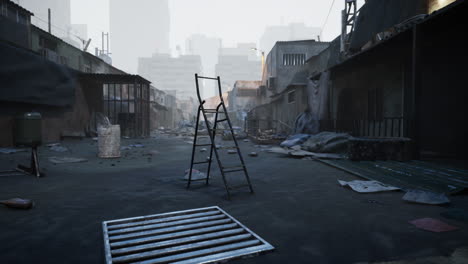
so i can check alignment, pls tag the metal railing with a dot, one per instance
(385, 127)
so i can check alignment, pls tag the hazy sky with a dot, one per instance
(232, 20)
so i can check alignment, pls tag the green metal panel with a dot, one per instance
(28, 129)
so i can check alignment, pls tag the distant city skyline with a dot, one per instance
(232, 21)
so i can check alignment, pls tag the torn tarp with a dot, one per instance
(368, 186)
(28, 78)
(425, 197)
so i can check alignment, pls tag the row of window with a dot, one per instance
(294, 59)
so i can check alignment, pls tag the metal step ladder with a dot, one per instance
(220, 109)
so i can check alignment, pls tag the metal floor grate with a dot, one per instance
(205, 235)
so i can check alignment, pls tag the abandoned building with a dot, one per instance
(388, 83)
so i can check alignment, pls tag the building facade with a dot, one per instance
(293, 31)
(207, 48)
(176, 74)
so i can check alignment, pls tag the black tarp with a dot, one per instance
(379, 15)
(27, 78)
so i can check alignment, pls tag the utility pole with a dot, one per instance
(50, 21)
(348, 19)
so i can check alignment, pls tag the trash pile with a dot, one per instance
(268, 137)
(325, 145)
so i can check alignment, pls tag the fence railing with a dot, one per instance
(385, 127)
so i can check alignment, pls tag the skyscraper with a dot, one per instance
(239, 63)
(207, 48)
(138, 28)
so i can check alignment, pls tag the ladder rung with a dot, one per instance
(212, 111)
(229, 171)
(233, 167)
(222, 120)
(238, 187)
(203, 145)
(208, 78)
(201, 162)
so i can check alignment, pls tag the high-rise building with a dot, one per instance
(138, 28)
(208, 49)
(293, 31)
(60, 15)
(169, 73)
(239, 63)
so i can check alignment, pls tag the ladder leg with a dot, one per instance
(193, 148)
(238, 149)
(219, 161)
(213, 145)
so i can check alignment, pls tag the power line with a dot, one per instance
(68, 32)
(326, 20)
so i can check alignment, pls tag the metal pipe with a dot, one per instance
(49, 20)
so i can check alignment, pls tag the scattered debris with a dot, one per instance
(196, 175)
(456, 214)
(52, 145)
(327, 142)
(58, 148)
(297, 152)
(125, 148)
(246, 140)
(137, 145)
(253, 154)
(294, 140)
(433, 225)
(95, 139)
(279, 150)
(232, 151)
(61, 160)
(373, 201)
(17, 203)
(203, 150)
(425, 197)
(367, 186)
(11, 150)
(151, 153)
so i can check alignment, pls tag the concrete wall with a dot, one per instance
(75, 120)
(283, 74)
(280, 115)
(72, 56)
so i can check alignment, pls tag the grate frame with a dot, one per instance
(210, 234)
